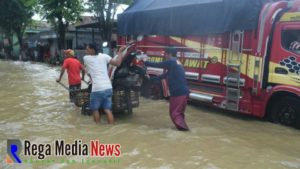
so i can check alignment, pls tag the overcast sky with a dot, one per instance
(120, 9)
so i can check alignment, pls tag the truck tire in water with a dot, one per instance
(286, 111)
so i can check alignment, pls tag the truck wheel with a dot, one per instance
(157, 92)
(145, 88)
(286, 111)
(152, 89)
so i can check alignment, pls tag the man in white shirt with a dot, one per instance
(96, 65)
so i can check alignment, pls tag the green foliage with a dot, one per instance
(15, 16)
(68, 10)
(60, 13)
(105, 11)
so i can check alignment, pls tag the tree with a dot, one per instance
(15, 15)
(105, 11)
(60, 13)
(23, 18)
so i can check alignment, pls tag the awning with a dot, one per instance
(191, 17)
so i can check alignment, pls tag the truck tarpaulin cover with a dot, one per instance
(189, 17)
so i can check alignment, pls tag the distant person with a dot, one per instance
(47, 56)
(40, 47)
(35, 55)
(73, 67)
(101, 95)
(177, 85)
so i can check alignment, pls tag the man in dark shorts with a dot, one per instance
(73, 67)
(101, 96)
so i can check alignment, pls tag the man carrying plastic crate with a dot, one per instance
(73, 67)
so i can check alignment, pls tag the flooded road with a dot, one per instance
(34, 107)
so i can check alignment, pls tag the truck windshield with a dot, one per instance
(291, 40)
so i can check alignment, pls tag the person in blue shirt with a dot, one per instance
(177, 84)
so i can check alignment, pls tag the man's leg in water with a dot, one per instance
(177, 109)
(72, 91)
(110, 116)
(95, 103)
(107, 106)
(96, 116)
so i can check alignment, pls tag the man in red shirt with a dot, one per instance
(73, 67)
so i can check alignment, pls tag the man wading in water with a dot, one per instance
(96, 65)
(177, 85)
(73, 67)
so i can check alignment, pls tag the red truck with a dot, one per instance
(238, 55)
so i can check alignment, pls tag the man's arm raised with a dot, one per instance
(119, 59)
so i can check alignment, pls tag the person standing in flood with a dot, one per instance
(73, 67)
(101, 95)
(177, 85)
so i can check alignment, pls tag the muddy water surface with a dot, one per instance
(34, 107)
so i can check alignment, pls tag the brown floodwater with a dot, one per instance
(34, 107)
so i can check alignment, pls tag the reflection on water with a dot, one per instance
(34, 107)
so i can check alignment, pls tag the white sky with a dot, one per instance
(120, 9)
